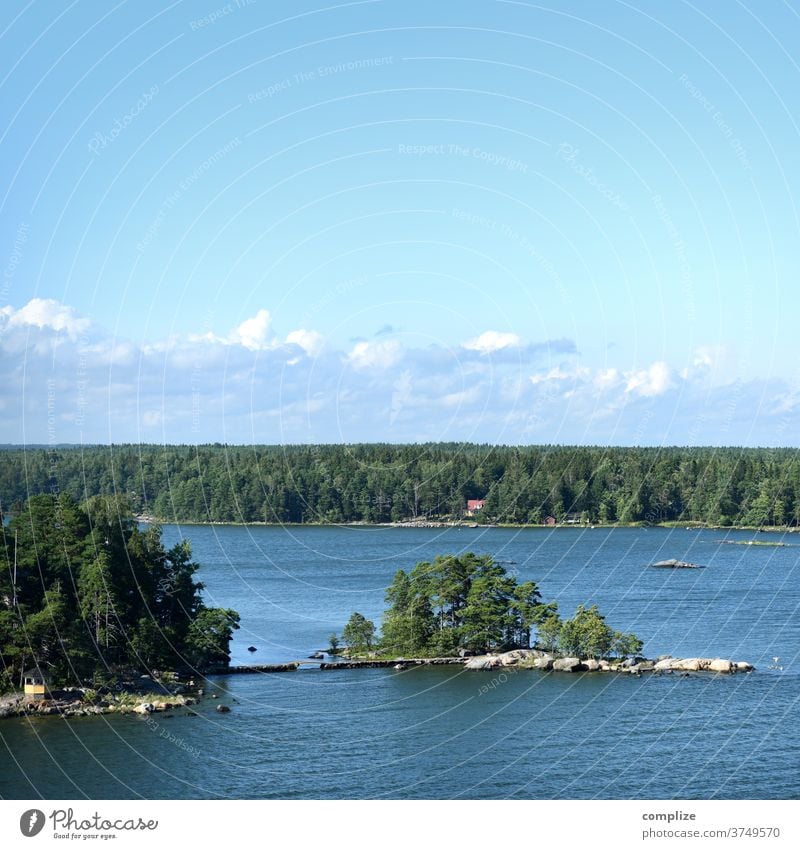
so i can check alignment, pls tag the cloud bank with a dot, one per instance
(66, 380)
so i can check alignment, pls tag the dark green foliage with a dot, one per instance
(359, 633)
(408, 623)
(94, 593)
(626, 645)
(469, 603)
(549, 631)
(209, 636)
(588, 635)
(382, 483)
(456, 603)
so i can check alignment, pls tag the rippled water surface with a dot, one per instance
(443, 732)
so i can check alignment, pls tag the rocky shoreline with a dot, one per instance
(395, 663)
(144, 696)
(16, 706)
(547, 661)
(150, 696)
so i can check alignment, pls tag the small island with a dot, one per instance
(466, 609)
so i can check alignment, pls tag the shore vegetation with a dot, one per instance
(380, 483)
(469, 604)
(85, 596)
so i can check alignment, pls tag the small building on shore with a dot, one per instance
(475, 505)
(35, 685)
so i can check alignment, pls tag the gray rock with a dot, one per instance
(591, 665)
(720, 665)
(567, 664)
(486, 661)
(674, 564)
(511, 658)
(688, 664)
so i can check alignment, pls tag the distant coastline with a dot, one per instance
(441, 484)
(434, 523)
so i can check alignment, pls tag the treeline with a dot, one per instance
(384, 483)
(86, 596)
(468, 604)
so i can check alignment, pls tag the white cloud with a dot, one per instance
(705, 362)
(371, 355)
(151, 418)
(309, 340)
(210, 387)
(44, 313)
(465, 396)
(558, 374)
(491, 341)
(655, 380)
(253, 333)
(606, 379)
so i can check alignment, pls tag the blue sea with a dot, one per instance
(443, 732)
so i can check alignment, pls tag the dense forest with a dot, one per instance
(86, 596)
(469, 604)
(384, 483)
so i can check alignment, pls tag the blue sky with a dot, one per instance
(399, 221)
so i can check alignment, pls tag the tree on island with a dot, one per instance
(209, 637)
(465, 603)
(548, 630)
(626, 645)
(359, 633)
(468, 603)
(85, 594)
(585, 635)
(460, 603)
